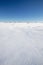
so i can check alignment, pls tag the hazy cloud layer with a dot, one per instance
(21, 45)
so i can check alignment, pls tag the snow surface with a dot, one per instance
(21, 43)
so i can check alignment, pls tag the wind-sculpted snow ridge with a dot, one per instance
(21, 43)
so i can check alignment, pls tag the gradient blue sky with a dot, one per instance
(21, 10)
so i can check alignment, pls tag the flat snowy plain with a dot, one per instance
(21, 43)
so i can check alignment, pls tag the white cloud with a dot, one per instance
(21, 43)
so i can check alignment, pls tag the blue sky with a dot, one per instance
(21, 10)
